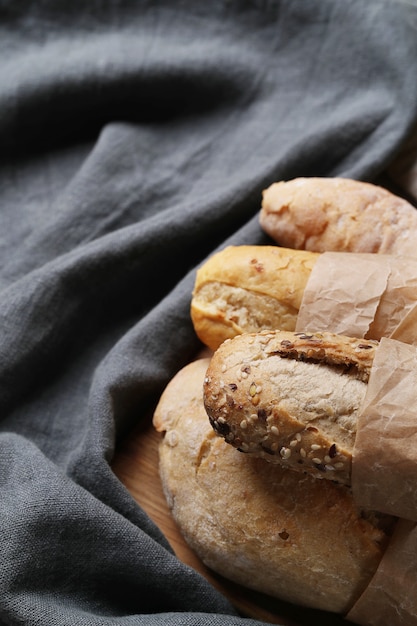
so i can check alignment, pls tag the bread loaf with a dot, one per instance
(270, 529)
(291, 398)
(338, 214)
(247, 289)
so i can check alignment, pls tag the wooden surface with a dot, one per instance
(136, 465)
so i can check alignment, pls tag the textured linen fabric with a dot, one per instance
(136, 139)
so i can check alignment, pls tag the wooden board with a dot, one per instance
(136, 465)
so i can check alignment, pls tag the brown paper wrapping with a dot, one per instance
(375, 296)
(384, 478)
(384, 467)
(406, 330)
(359, 295)
(391, 597)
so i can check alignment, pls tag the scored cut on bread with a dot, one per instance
(273, 530)
(291, 398)
(338, 214)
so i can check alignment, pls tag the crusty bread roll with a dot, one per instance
(270, 529)
(338, 214)
(247, 289)
(291, 398)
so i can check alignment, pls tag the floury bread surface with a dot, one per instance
(291, 398)
(338, 214)
(247, 289)
(277, 531)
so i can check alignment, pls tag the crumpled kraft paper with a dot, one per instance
(359, 295)
(384, 466)
(384, 478)
(374, 296)
(406, 330)
(390, 599)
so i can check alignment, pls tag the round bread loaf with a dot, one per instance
(338, 214)
(268, 528)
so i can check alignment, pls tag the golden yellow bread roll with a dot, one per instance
(247, 289)
(291, 398)
(338, 214)
(270, 529)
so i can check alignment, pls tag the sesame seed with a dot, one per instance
(258, 389)
(316, 460)
(285, 453)
(293, 443)
(298, 436)
(315, 447)
(274, 430)
(243, 424)
(339, 465)
(303, 453)
(244, 374)
(252, 390)
(329, 468)
(224, 368)
(327, 459)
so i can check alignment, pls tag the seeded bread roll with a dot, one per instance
(291, 398)
(338, 214)
(275, 531)
(247, 289)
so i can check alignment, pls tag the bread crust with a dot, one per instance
(338, 214)
(248, 289)
(291, 398)
(270, 529)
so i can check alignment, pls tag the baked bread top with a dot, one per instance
(291, 398)
(338, 214)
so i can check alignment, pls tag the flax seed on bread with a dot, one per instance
(291, 398)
